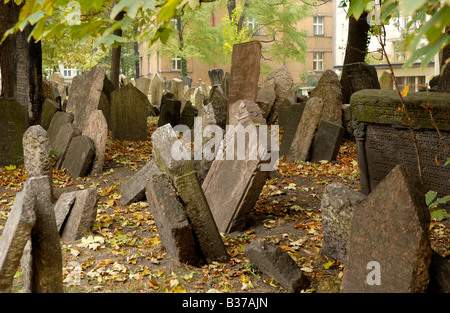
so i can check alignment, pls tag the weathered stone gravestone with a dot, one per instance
(188, 115)
(266, 96)
(327, 141)
(60, 133)
(15, 235)
(133, 190)
(182, 173)
(199, 99)
(187, 81)
(275, 262)
(42, 258)
(49, 108)
(358, 76)
(85, 94)
(79, 156)
(387, 81)
(245, 69)
(171, 220)
(283, 89)
(226, 84)
(216, 76)
(389, 248)
(283, 111)
(129, 109)
(220, 106)
(177, 88)
(337, 207)
(304, 135)
(245, 112)
(13, 124)
(143, 84)
(96, 128)
(291, 123)
(170, 110)
(330, 91)
(104, 105)
(383, 138)
(58, 78)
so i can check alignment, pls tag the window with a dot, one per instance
(175, 64)
(415, 82)
(251, 25)
(67, 72)
(318, 25)
(318, 61)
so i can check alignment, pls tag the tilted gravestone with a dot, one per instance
(171, 220)
(283, 89)
(220, 105)
(96, 128)
(176, 88)
(306, 130)
(187, 81)
(182, 173)
(283, 111)
(216, 76)
(49, 108)
(133, 190)
(291, 123)
(245, 112)
(62, 208)
(389, 248)
(275, 262)
(143, 84)
(79, 156)
(170, 110)
(337, 206)
(85, 92)
(156, 90)
(60, 133)
(266, 96)
(327, 141)
(42, 258)
(245, 70)
(188, 115)
(358, 76)
(129, 109)
(15, 235)
(13, 124)
(386, 81)
(383, 137)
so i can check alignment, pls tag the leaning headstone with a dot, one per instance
(220, 106)
(266, 96)
(85, 94)
(327, 141)
(96, 128)
(177, 88)
(245, 70)
(283, 111)
(306, 130)
(182, 173)
(14, 237)
(42, 258)
(37, 153)
(62, 208)
(337, 207)
(275, 262)
(245, 112)
(358, 76)
(199, 99)
(171, 220)
(79, 156)
(170, 110)
(380, 258)
(216, 76)
(82, 215)
(187, 81)
(290, 127)
(330, 91)
(143, 84)
(133, 190)
(58, 120)
(13, 124)
(129, 109)
(49, 108)
(283, 89)
(61, 143)
(188, 115)
(59, 79)
(387, 81)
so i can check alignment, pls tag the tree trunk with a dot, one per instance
(181, 46)
(231, 5)
(357, 39)
(115, 56)
(444, 80)
(136, 62)
(36, 91)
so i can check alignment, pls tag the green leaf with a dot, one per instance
(357, 7)
(439, 215)
(10, 167)
(168, 11)
(429, 197)
(448, 162)
(329, 264)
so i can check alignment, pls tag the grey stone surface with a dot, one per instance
(290, 127)
(49, 108)
(170, 111)
(79, 156)
(327, 141)
(283, 89)
(216, 76)
(62, 208)
(220, 105)
(133, 190)
(96, 128)
(156, 90)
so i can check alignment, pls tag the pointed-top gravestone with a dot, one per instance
(96, 128)
(389, 248)
(283, 89)
(37, 152)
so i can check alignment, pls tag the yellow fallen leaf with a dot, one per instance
(405, 91)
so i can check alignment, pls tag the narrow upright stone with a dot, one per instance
(96, 128)
(37, 152)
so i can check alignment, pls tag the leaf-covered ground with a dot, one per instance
(124, 254)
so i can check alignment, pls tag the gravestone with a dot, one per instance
(61, 143)
(283, 111)
(199, 99)
(188, 115)
(245, 69)
(82, 215)
(399, 259)
(13, 124)
(290, 127)
(386, 81)
(133, 190)
(79, 156)
(266, 96)
(15, 235)
(245, 112)
(337, 206)
(48, 88)
(129, 109)
(226, 84)
(358, 76)
(143, 84)
(171, 220)
(177, 88)
(275, 262)
(37, 153)
(283, 89)
(330, 91)
(42, 258)
(187, 81)
(60, 84)
(384, 140)
(49, 108)
(170, 110)
(304, 135)
(105, 106)
(85, 92)
(216, 76)
(58, 120)
(62, 208)
(327, 141)
(220, 106)
(182, 173)
(96, 128)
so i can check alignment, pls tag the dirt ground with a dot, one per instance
(124, 253)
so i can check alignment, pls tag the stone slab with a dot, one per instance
(96, 128)
(133, 190)
(290, 127)
(327, 141)
(358, 76)
(79, 156)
